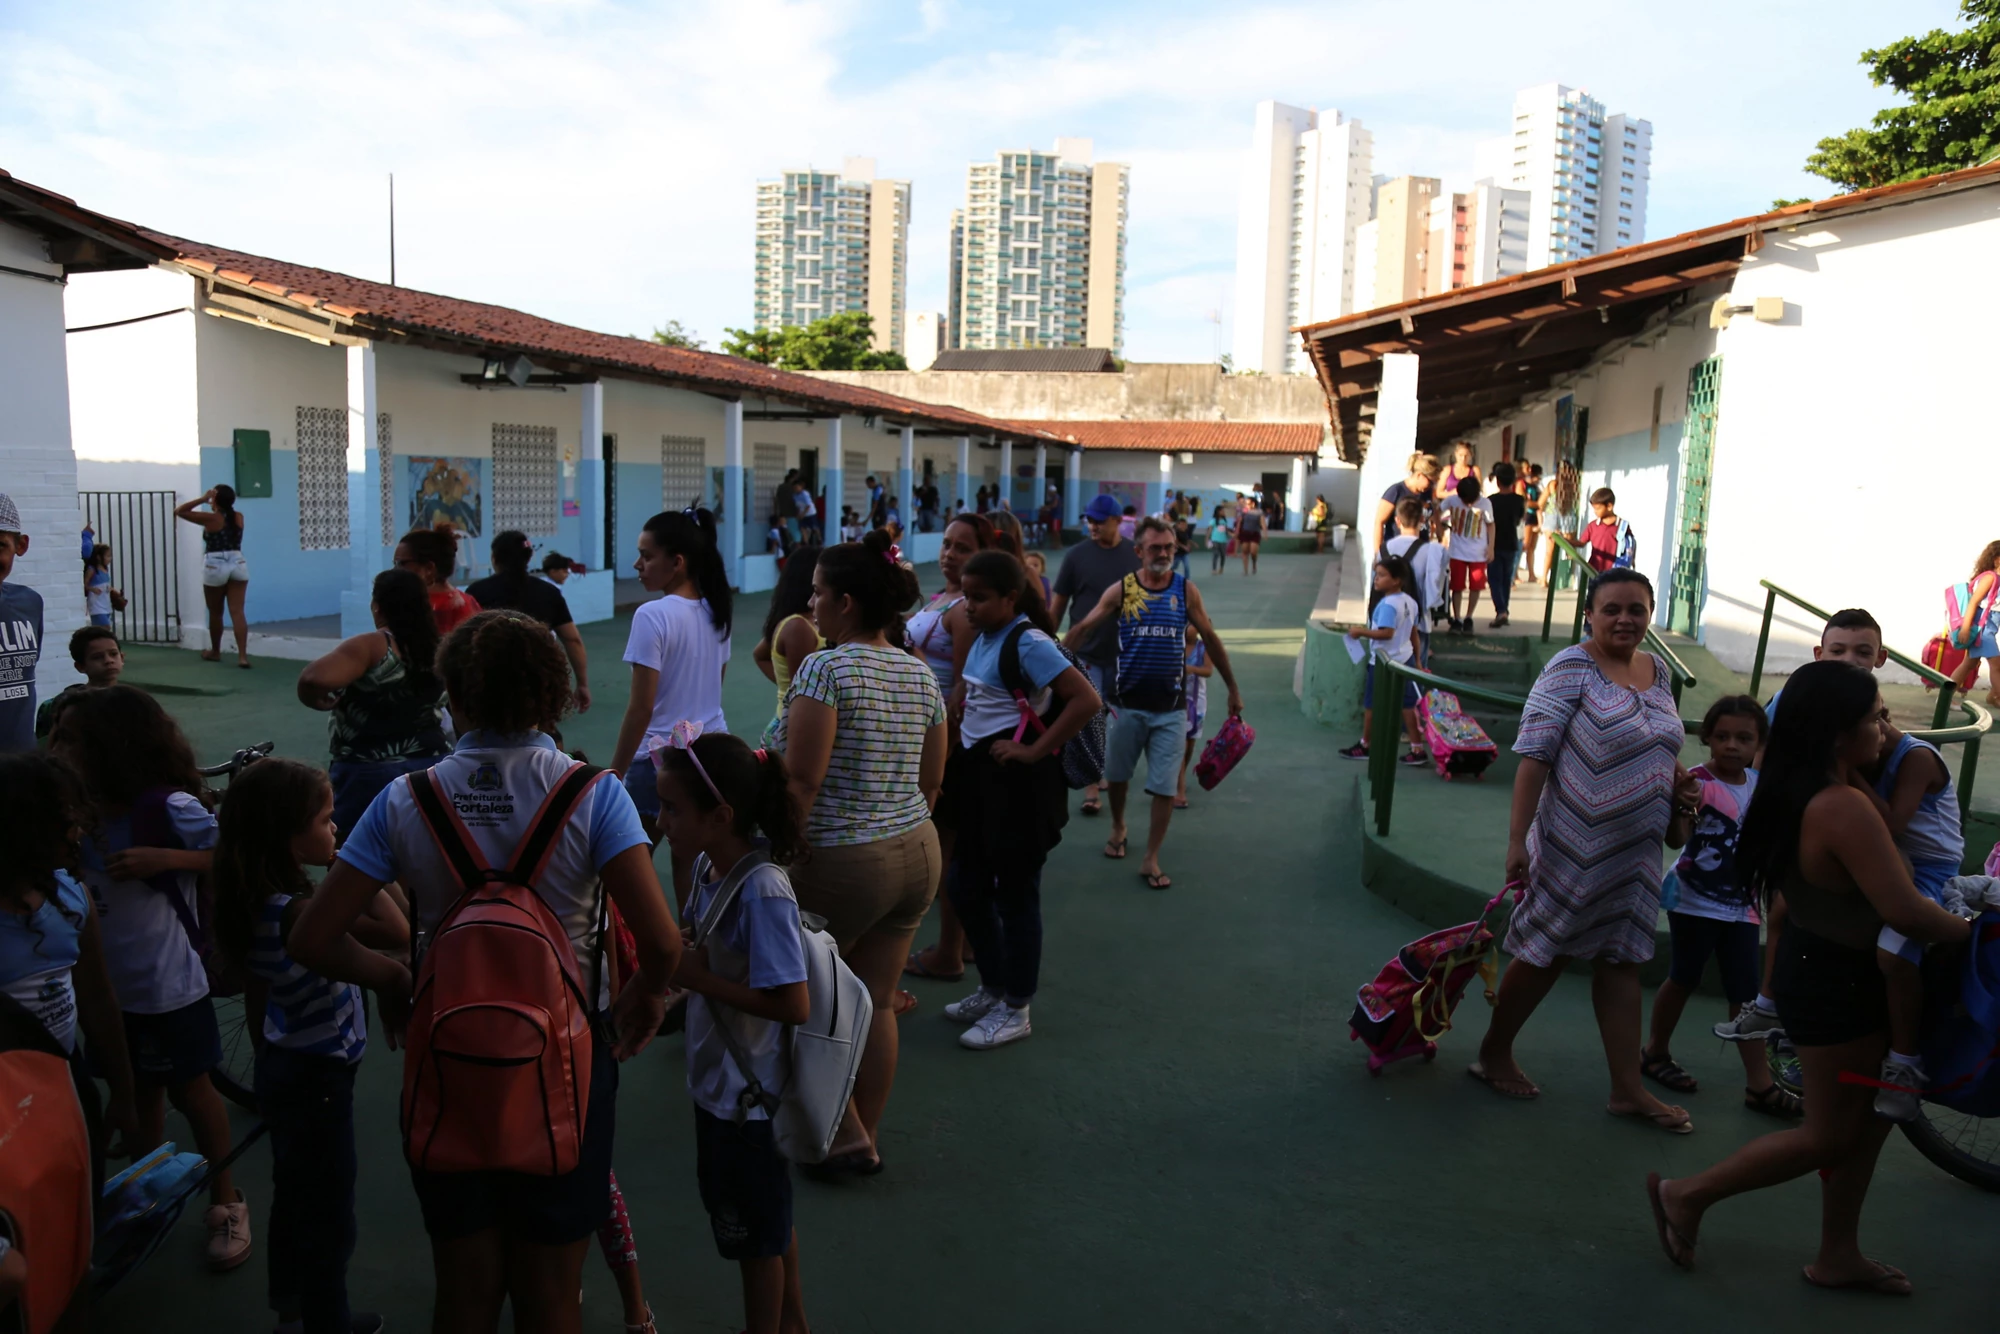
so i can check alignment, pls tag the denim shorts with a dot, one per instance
(641, 783)
(1929, 877)
(746, 1186)
(1159, 735)
(170, 1049)
(1368, 689)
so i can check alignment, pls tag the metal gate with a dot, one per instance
(145, 560)
(1690, 576)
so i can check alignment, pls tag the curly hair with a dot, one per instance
(504, 672)
(266, 806)
(755, 783)
(125, 744)
(436, 547)
(866, 571)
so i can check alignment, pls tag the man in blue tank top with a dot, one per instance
(1153, 610)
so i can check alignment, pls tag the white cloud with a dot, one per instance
(595, 162)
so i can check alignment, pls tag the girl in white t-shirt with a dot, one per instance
(1392, 626)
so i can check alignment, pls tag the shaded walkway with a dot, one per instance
(1188, 1142)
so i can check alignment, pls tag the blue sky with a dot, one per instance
(595, 162)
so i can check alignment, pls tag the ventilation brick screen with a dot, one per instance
(322, 439)
(526, 475)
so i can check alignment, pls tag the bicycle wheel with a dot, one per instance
(236, 1077)
(1964, 1145)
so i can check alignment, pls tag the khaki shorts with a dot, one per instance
(861, 887)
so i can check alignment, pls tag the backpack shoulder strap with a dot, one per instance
(562, 799)
(1011, 675)
(725, 893)
(448, 832)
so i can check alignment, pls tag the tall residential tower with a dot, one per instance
(1305, 194)
(831, 242)
(1586, 173)
(1038, 252)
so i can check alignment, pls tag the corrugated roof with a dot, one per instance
(80, 240)
(1188, 437)
(363, 308)
(1038, 359)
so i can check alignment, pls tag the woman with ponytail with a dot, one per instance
(678, 649)
(864, 739)
(383, 697)
(225, 574)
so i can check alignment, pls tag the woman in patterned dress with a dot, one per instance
(1597, 782)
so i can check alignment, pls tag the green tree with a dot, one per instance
(1953, 118)
(676, 334)
(835, 343)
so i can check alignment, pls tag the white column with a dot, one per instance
(1072, 509)
(593, 523)
(366, 553)
(965, 487)
(1298, 504)
(906, 466)
(832, 483)
(1393, 441)
(1041, 477)
(732, 528)
(1156, 492)
(1006, 473)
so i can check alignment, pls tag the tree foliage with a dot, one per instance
(1953, 118)
(836, 343)
(676, 334)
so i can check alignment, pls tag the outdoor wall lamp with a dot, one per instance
(514, 369)
(1765, 309)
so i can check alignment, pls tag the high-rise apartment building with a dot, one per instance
(1038, 251)
(1496, 232)
(829, 242)
(1586, 172)
(1445, 246)
(1305, 196)
(1403, 237)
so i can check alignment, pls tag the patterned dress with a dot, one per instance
(1594, 848)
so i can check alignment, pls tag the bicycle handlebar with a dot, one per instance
(239, 761)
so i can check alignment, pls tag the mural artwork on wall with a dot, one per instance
(448, 490)
(1125, 493)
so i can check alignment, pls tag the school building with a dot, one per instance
(1798, 397)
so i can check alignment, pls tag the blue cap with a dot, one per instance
(1102, 507)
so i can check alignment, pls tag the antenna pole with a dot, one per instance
(392, 229)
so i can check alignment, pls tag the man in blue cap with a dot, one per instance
(1087, 570)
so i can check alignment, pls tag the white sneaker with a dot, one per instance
(1752, 1023)
(973, 1008)
(1904, 1102)
(999, 1026)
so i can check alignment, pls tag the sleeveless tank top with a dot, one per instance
(306, 1013)
(932, 641)
(1843, 916)
(1152, 646)
(229, 537)
(386, 716)
(780, 667)
(1934, 833)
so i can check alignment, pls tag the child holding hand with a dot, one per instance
(727, 807)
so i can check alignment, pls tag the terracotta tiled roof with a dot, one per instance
(405, 314)
(1034, 359)
(81, 241)
(1188, 437)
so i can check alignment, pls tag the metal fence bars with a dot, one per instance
(145, 561)
(1679, 677)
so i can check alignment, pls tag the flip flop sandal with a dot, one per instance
(1666, 1071)
(903, 1003)
(914, 966)
(1504, 1087)
(1180, 803)
(1674, 1120)
(1092, 807)
(1776, 1100)
(1887, 1281)
(1678, 1248)
(856, 1163)
(1157, 879)
(1118, 843)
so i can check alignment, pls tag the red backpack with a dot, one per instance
(496, 1064)
(44, 1169)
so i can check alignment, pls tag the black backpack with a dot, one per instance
(1083, 754)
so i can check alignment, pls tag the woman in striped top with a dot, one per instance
(276, 819)
(864, 738)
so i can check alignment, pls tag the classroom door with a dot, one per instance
(1688, 585)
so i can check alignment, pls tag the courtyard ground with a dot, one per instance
(1189, 1141)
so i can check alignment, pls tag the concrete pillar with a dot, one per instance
(1297, 502)
(1073, 490)
(731, 530)
(1041, 479)
(1156, 490)
(1007, 472)
(367, 554)
(832, 481)
(592, 521)
(1393, 441)
(906, 467)
(965, 486)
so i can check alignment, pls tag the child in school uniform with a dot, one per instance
(1392, 625)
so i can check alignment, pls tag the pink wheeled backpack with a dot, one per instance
(1408, 1007)
(1459, 745)
(1223, 751)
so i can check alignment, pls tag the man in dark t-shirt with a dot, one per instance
(511, 588)
(20, 637)
(1087, 570)
(1508, 506)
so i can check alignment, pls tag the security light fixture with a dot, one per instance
(514, 369)
(1764, 309)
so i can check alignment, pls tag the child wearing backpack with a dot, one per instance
(1709, 912)
(1607, 540)
(143, 863)
(1977, 628)
(720, 804)
(1012, 805)
(1392, 626)
(276, 820)
(513, 1177)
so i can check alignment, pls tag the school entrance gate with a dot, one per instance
(145, 561)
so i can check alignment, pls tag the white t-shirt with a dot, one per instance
(804, 501)
(674, 636)
(1429, 566)
(154, 966)
(1470, 527)
(1397, 613)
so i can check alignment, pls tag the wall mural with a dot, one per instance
(448, 490)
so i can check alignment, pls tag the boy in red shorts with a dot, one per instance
(1468, 517)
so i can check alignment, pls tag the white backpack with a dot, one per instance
(823, 1053)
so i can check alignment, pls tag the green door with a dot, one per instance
(1684, 596)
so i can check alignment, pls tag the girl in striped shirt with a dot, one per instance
(277, 819)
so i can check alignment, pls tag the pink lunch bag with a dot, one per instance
(1223, 752)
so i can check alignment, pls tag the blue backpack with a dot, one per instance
(1962, 1038)
(1628, 548)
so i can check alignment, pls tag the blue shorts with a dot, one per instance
(170, 1049)
(1988, 645)
(1368, 689)
(746, 1186)
(1930, 878)
(1161, 736)
(102, 618)
(641, 782)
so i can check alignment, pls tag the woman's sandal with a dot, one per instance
(1666, 1071)
(1520, 1090)
(1886, 1281)
(856, 1163)
(1673, 1120)
(1092, 806)
(1679, 1249)
(1157, 879)
(903, 1003)
(1776, 1100)
(1117, 843)
(916, 967)
(648, 1326)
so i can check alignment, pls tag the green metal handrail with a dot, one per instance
(1945, 685)
(1678, 675)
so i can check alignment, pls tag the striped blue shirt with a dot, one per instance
(1152, 646)
(307, 1013)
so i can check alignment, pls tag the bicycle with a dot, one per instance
(236, 1077)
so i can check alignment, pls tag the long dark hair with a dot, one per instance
(405, 605)
(39, 806)
(268, 805)
(511, 550)
(753, 782)
(225, 502)
(127, 744)
(792, 595)
(435, 547)
(882, 587)
(1820, 703)
(1007, 576)
(690, 534)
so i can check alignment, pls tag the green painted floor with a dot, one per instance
(1189, 1141)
